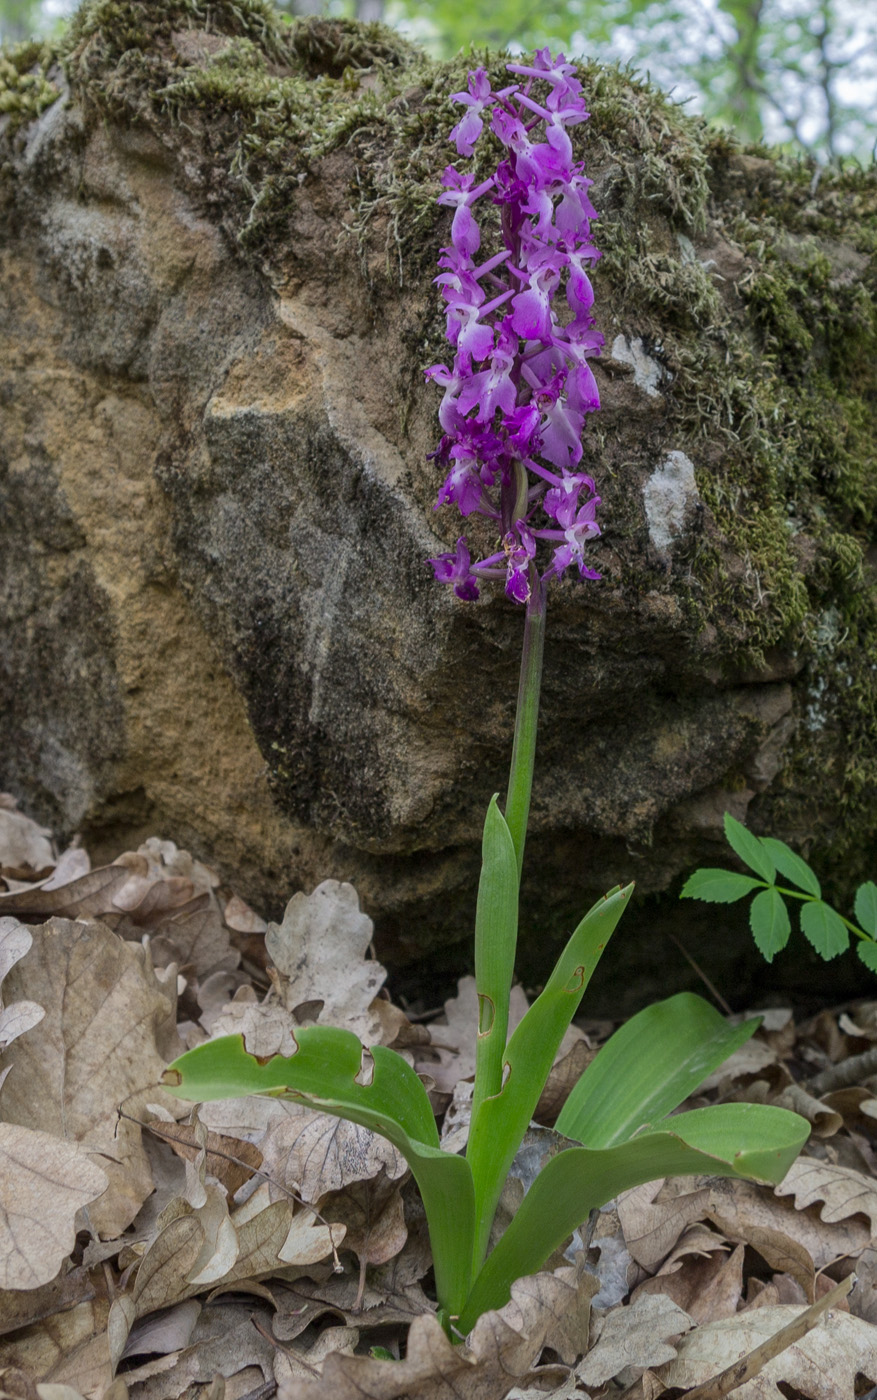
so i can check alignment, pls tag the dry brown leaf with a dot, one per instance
(230, 1160)
(843, 1191)
(749, 1214)
(195, 1248)
(163, 1332)
(498, 1355)
(239, 916)
(267, 1029)
(313, 1153)
(87, 897)
(823, 1365)
(319, 951)
(740, 1209)
(615, 1270)
(44, 1181)
(24, 846)
(20, 1309)
(653, 1216)
(107, 1035)
(197, 942)
(706, 1286)
(80, 1347)
(224, 1343)
(863, 1301)
(20, 1016)
(633, 1336)
(373, 1216)
(378, 1304)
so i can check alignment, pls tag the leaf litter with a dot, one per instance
(255, 1248)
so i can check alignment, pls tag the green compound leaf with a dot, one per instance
(322, 1074)
(867, 952)
(866, 907)
(736, 1140)
(825, 929)
(770, 924)
(749, 848)
(718, 886)
(495, 1137)
(646, 1069)
(792, 866)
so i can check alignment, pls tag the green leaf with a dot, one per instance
(323, 1074)
(791, 865)
(867, 952)
(866, 907)
(503, 1120)
(769, 921)
(736, 1140)
(496, 931)
(718, 886)
(749, 848)
(825, 929)
(646, 1069)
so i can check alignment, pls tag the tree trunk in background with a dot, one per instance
(219, 625)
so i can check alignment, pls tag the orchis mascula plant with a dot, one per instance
(512, 417)
(828, 931)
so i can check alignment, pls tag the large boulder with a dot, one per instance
(218, 240)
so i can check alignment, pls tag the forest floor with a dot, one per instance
(252, 1248)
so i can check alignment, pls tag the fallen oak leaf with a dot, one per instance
(315, 1154)
(706, 1285)
(230, 1160)
(194, 1248)
(654, 1216)
(822, 1364)
(499, 1353)
(24, 846)
(107, 1035)
(87, 897)
(44, 1181)
(633, 1336)
(319, 954)
(843, 1190)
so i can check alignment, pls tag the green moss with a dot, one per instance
(26, 88)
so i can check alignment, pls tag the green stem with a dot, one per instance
(517, 807)
(814, 899)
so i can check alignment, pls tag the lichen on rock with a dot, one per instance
(219, 245)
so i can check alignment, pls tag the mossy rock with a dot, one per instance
(271, 386)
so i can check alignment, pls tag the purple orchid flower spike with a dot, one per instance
(520, 387)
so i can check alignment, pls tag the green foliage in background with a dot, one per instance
(822, 926)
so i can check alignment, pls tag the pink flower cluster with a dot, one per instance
(516, 396)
